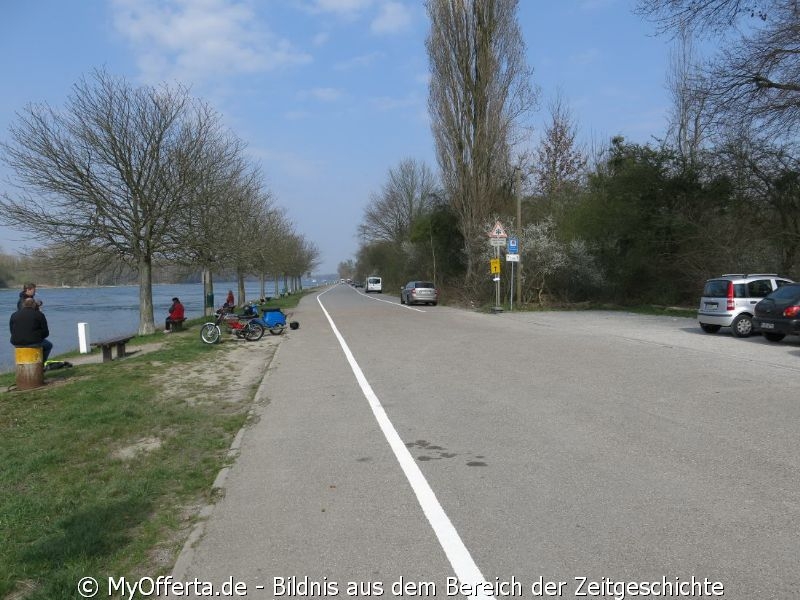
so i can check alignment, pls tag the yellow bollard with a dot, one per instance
(30, 368)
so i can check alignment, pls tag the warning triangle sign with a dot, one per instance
(498, 231)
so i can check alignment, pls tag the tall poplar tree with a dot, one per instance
(480, 88)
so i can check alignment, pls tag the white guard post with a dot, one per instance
(83, 338)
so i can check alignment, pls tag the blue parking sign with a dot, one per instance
(512, 246)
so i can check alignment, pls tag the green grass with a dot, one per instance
(69, 505)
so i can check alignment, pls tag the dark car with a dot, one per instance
(419, 292)
(778, 315)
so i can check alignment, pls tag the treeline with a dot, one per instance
(39, 267)
(625, 223)
(144, 179)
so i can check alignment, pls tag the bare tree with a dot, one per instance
(560, 161)
(479, 90)
(687, 124)
(756, 76)
(109, 173)
(269, 247)
(768, 176)
(409, 191)
(202, 236)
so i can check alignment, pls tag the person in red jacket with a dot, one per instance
(175, 314)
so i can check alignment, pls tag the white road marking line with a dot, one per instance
(460, 559)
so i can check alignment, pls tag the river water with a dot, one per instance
(109, 311)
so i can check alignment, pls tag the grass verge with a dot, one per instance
(643, 309)
(104, 467)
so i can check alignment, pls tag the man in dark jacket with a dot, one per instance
(29, 327)
(28, 291)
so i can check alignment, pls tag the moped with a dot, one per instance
(246, 327)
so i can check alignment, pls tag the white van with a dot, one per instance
(373, 285)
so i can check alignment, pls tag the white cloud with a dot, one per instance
(296, 115)
(387, 103)
(326, 94)
(341, 7)
(323, 94)
(392, 18)
(320, 39)
(196, 39)
(357, 62)
(586, 57)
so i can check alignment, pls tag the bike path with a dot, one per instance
(315, 493)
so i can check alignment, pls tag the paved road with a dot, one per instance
(529, 447)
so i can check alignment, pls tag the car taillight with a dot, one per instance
(731, 302)
(790, 312)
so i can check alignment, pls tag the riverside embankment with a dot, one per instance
(109, 311)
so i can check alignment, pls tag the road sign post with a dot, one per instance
(497, 238)
(512, 256)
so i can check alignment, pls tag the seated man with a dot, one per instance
(29, 328)
(176, 313)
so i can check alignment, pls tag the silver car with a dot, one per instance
(729, 300)
(419, 292)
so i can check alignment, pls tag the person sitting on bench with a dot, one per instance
(29, 328)
(175, 315)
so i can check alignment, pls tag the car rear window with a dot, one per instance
(424, 284)
(786, 292)
(716, 288)
(374, 280)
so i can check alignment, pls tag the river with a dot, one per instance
(110, 311)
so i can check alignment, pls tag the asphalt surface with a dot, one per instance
(528, 448)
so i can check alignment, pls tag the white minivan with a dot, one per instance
(373, 285)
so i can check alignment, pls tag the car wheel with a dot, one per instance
(709, 328)
(774, 337)
(742, 326)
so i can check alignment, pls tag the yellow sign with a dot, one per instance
(495, 265)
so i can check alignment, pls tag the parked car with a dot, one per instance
(374, 284)
(778, 315)
(729, 300)
(419, 292)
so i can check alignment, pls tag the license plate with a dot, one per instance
(767, 325)
(711, 305)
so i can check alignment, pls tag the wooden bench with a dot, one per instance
(177, 325)
(106, 346)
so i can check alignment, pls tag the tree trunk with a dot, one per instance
(242, 295)
(208, 291)
(146, 323)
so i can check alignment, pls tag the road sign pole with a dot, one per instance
(497, 281)
(512, 288)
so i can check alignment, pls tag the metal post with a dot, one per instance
(519, 229)
(512, 287)
(497, 280)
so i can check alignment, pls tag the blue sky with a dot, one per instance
(328, 94)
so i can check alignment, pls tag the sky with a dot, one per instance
(327, 94)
